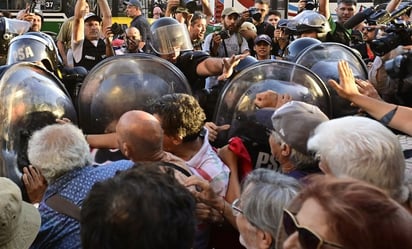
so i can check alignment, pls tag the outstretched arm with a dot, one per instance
(348, 88)
(218, 66)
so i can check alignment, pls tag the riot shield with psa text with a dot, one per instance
(123, 83)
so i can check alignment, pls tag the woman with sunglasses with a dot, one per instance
(345, 213)
(257, 213)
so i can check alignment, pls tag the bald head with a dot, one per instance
(133, 38)
(140, 136)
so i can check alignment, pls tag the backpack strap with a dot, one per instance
(180, 169)
(63, 206)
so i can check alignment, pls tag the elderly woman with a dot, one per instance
(258, 211)
(345, 213)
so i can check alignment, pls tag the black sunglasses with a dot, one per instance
(307, 238)
(369, 29)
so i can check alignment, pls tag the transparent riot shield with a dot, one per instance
(123, 83)
(30, 98)
(323, 60)
(236, 104)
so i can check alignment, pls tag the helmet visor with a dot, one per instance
(171, 39)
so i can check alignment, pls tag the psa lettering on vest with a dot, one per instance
(266, 160)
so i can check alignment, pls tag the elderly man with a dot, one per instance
(62, 154)
(292, 124)
(364, 149)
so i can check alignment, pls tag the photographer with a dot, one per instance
(32, 15)
(227, 42)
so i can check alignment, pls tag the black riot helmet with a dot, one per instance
(169, 36)
(34, 47)
(309, 20)
(296, 47)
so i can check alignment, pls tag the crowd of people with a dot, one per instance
(341, 182)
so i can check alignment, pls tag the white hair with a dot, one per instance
(364, 149)
(57, 149)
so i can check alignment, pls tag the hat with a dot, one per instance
(283, 23)
(229, 11)
(92, 16)
(19, 220)
(135, 3)
(295, 122)
(264, 38)
(181, 9)
(247, 26)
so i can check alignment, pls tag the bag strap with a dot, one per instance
(178, 168)
(63, 206)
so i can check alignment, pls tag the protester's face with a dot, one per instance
(92, 30)
(263, 8)
(262, 49)
(198, 29)
(273, 19)
(132, 40)
(131, 11)
(313, 216)
(275, 148)
(345, 11)
(36, 23)
(229, 22)
(247, 231)
(368, 33)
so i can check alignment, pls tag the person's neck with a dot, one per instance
(263, 57)
(287, 167)
(187, 150)
(154, 157)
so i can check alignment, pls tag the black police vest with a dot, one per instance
(92, 55)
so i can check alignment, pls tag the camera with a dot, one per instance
(255, 14)
(117, 29)
(311, 5)
(224, 34)
(399, 33)
(399, 67)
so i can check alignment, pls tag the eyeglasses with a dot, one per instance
(369, 29)
(307, 238)
(236, 208)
